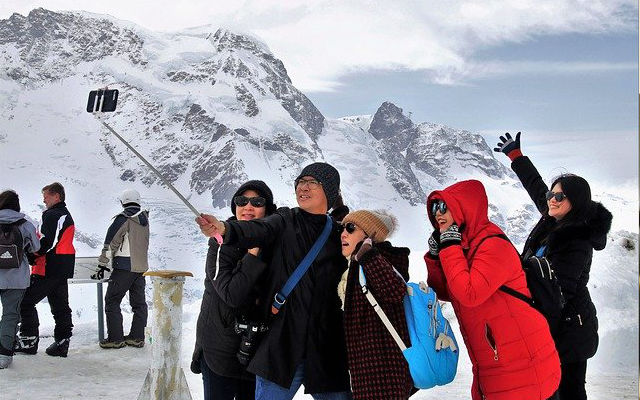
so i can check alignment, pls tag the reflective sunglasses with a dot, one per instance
(438, 205)
(242, 201)
(350, 227)
(558, 196)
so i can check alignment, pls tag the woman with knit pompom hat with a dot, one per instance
(378, 368)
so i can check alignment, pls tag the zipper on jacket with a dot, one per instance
(491, 340)
(580, 319)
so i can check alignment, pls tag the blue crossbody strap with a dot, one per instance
(281, 297)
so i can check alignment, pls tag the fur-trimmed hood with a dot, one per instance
(595, 229)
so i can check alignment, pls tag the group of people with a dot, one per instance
(267, 325)
(283, 304)
(41, 260)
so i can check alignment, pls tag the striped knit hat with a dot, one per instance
(377, 224)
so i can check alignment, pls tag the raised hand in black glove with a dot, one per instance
(450, 236)
(509, 146)
(434, 243)
(100, 274)
(364, 247)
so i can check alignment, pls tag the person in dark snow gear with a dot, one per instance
(127, 245)
(54, 264)
(13, 280)
(229, 300)
(509, 343)
(378, 369)
(571, 227)
(305, 342)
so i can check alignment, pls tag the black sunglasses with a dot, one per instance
(558, 196)
(350, 227)
(438, 205)
(242, 201)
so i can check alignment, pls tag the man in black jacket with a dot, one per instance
(54, 264)
(305, 343)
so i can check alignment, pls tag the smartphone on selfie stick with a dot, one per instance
(105, 100)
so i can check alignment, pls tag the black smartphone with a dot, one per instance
(102, 100)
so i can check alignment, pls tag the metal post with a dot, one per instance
(100, 312)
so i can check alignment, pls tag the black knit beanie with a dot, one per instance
(328, 176)
(262, 189)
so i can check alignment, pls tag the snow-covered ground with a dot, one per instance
(90, 372)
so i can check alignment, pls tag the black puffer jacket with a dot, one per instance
(309, 326)
(570, 248)
(230, 293)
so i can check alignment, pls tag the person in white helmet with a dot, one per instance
(126, 245)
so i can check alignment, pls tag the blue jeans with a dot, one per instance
(218, 387)
(267, 390)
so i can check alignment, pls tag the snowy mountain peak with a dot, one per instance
(48, 46)
(388, 121)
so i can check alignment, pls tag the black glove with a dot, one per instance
(508, 146)
(434, 243)
(451, 236)
(364, 247)
(31, 258)
(100, 274)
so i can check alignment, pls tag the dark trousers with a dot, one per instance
(120, 282)
(56, 290)
(11, 299)
(573, 381)
(218, 387)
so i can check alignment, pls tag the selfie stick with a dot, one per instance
(166, 182)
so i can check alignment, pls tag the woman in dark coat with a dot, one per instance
(571, 227)
(305, 343)
(378, 369)
(229, 297)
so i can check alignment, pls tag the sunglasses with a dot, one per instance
(242, 201)
(312, 184)
(438, 205)
(350, 227)
(558, 196)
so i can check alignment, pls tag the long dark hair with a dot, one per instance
(578, 191)
(9, 200)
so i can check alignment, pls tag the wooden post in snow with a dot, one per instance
(165, 379)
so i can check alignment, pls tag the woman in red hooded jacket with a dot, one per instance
(511, 349)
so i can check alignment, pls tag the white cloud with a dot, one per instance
(322, 40)
(472, 70)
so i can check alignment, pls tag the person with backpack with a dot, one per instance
(228, 310)
(509, 343)
(54, 264)
(18, 239)
(571, 227)
(305, 341)
(378, 369)
(126, 244)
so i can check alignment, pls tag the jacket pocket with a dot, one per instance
(488, 334)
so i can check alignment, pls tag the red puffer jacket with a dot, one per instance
(511, 349)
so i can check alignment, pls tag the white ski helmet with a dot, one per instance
(130, 196)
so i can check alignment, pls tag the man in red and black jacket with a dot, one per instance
(54, 264)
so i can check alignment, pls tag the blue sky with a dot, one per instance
(565, 72)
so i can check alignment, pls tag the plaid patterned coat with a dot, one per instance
(376, 364)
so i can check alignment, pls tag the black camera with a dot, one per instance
(251, 333)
